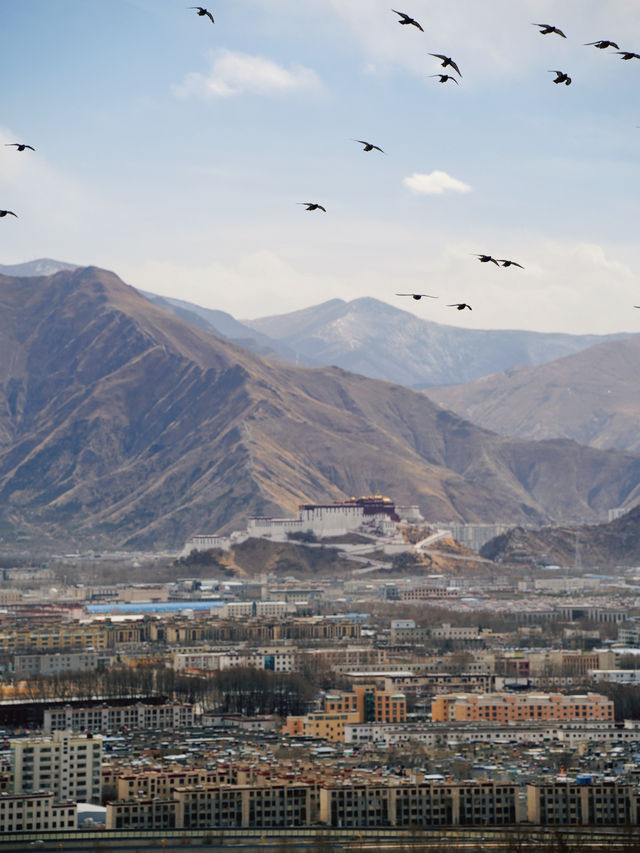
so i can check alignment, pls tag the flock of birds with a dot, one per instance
(446, 62)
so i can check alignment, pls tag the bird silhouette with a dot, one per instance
(417, 295)
(485, 259)
(444, 78)
(311, 205)
(561, 77)
(8, 213)
(506, 263)
(368, 146)
(626, 54)
(446, 61)
(545, 29)
(601, 44)
(202, 12)
(407, 20)
(20, 146)
(460, 306)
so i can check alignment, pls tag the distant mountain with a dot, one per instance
(375, 339)
(222, 324)
(42, 266)
(592, 397)
(616, 543)
(122, 425)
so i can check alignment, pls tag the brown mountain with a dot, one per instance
(591, 396)
(613, 544)
(121, 424)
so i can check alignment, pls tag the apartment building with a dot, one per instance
(48, 663)
(105, 718)
(66, 764)
(517, 708)
(274, 659)
(33, 812)
(56, 637)
(593, 803)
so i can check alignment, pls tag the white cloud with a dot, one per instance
(435, 183)
(234, 73)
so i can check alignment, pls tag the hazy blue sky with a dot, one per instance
(174, 152)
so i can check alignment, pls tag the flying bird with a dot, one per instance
(446, 61)
(417, 295)
(626, 54)
(545, 29)
(485, 259)
(8, 213)
(444, 78)
(561, 77)
(460, 306)
(601, 44)
(311, 205)
(506, 263)
(368, 146)
(202, 12)
(20, 146)
(407, 20)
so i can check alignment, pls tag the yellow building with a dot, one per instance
(520, 708)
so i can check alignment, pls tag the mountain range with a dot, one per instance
(123, 424)
(375, 339)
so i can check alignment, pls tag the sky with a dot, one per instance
(176, 153)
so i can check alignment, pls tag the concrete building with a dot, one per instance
(66, 764)
(105, 718)
(57, 662)
(520, 708)
(568, 803)
(34, 812)
(275, 659)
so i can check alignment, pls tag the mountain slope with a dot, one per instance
(222, 324)
(378, 340)
(591, 397)
(611, 544)
(121, 424)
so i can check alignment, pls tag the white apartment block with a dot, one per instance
(106, 718)
(66, 764)
(259, 609)
(33, 812)
(277, 660)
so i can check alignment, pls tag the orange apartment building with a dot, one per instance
(365, 704)
(520, 708)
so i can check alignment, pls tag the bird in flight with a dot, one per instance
(545, 29)
(8, 213)
(20, 146)
(202, 12)
(368, 146)
(626, 54)
(485, 259)
(446, 61)
(444, 78)
(407, 20)
(417, 295)
(561, 77)
(601, 44)
(506, 263)
(460, 306)
(311, 205)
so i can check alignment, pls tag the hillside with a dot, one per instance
(611, 544)
(591, 397)
(122, 425)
